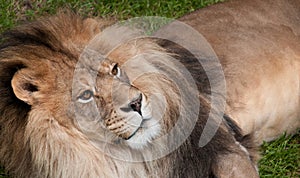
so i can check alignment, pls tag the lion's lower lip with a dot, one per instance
(133, 134)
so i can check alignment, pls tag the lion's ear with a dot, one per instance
(24, 86)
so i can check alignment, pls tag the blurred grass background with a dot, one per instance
(280, 158)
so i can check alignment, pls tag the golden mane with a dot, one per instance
(34, 143)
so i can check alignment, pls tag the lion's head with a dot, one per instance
(115, 93)
(81, 101)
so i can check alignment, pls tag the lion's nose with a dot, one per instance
(136, 104)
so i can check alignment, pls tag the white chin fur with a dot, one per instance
(150, 129)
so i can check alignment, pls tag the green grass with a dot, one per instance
(12, 11)
(281, 158)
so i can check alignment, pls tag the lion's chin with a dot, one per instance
(148, 131)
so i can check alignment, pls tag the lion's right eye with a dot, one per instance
(86, 96)
(115, 71)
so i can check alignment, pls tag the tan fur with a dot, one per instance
(258, 44)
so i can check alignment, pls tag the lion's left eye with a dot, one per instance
(86, 96)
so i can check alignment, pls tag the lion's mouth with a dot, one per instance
(136, 131)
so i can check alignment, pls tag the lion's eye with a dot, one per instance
(116, 70)
(86, 96)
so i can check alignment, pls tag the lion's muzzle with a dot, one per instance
(126, 119)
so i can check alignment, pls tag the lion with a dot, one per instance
(74, 105)
(70, 109)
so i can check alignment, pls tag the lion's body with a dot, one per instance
(58, 121)
(258, 44)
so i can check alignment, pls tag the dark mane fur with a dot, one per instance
(221, 142)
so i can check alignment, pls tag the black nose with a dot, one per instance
(136, 104)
